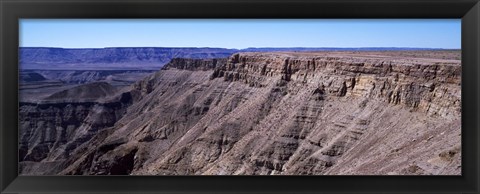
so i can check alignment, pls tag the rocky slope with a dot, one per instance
(266, 113)
(87, 92)
(52, 128)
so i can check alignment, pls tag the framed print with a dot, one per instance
(239, 96)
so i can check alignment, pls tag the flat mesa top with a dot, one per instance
(422, 56)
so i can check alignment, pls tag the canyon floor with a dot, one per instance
(253, 113)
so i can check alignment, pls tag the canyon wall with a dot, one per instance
(52, 128)
(428, 85)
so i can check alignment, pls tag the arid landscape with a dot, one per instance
(239, 112)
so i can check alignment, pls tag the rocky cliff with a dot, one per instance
(53, 127)
(277, 113)
(426, 84)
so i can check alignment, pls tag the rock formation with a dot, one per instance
(322, 113)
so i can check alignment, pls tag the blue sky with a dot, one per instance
(226, 33)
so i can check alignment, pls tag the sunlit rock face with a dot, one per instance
(302, 113)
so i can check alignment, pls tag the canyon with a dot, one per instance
(255, 113)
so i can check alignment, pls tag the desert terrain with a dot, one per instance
(244, 113)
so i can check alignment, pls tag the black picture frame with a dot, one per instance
(13, 10)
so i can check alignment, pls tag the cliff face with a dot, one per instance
(283, 113)
(52, 128)
(195, 64)
(429, 85)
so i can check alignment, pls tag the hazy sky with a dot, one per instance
(94, 33)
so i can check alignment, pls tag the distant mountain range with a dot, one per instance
(111, 58)
(143, 57)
